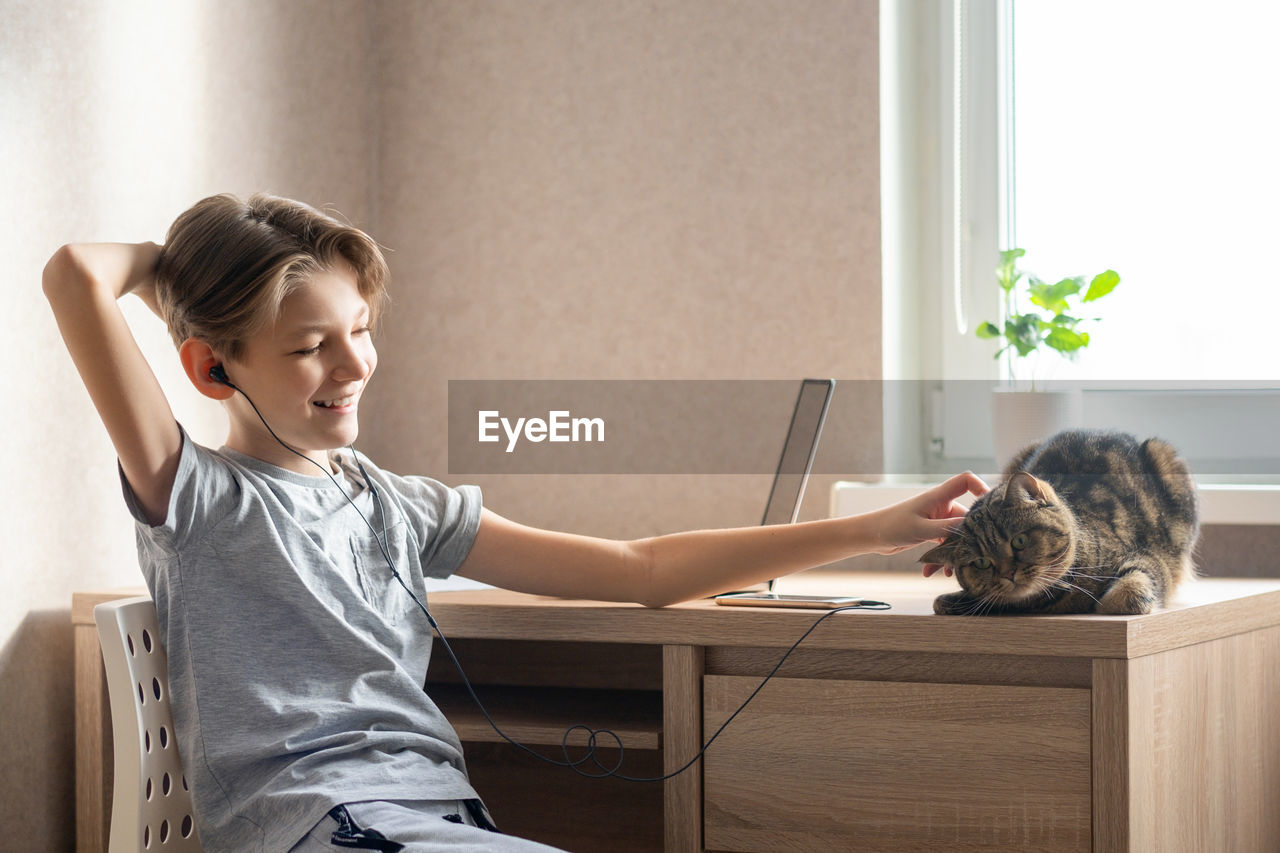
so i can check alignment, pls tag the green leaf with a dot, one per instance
(1102, 284)
(1006, 274)
(1066, 340)
(1052, 322)
(1023, 332)
(987, 330)
(1053, 297)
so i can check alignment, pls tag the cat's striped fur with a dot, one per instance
(1086, 521)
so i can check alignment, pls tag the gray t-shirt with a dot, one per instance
(296, 661)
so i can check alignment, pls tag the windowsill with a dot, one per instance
(1220, 503)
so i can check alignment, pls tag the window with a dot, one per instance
(1144, 141)
(1093, 134)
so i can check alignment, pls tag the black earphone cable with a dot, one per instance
(593, 734)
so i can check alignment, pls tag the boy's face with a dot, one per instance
(306, 374)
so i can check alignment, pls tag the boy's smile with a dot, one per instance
(305, 373)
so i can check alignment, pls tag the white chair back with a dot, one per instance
(151, 804)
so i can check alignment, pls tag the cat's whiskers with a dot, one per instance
(976, 605)
(1041, 585)
(983, 604)
(1066, 584)
(1075, 571)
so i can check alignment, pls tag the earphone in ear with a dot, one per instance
(219, 375)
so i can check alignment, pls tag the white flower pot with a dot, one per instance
(1021, 418)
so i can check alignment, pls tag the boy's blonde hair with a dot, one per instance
(227, 265)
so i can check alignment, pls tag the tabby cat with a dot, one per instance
(1086, 521)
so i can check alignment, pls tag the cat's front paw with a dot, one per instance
(1132, 594)
(953, 604)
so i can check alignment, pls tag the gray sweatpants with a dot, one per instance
(421, 826)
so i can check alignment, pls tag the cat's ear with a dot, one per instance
(943, 555)
(1024, 487)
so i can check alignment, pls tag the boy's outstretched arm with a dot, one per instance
(83, 283)
(682, 566)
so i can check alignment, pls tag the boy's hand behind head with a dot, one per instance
(145, 287)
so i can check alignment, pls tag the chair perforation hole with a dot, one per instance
(164, 831)
(146, 836)
(142, 694)
(165, 784)
(186, 826)
(146, 639)
(155, 688)
(148, 790)
(128, 640)
(146, 739)
(164, 737)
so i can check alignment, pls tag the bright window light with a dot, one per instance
(1145, 141)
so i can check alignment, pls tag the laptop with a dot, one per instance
(798, 451)
(796, 461)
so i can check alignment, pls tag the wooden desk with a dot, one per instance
(884, 731)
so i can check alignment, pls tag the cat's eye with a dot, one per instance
(982, 563)
(1020, 541)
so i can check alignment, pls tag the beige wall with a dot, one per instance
(626, 190)
(571, 189)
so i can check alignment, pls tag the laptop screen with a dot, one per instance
(798, 451)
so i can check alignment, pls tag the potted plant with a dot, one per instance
(1038, 317)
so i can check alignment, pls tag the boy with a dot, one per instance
(296, 659)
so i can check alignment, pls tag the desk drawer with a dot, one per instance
(827, 765)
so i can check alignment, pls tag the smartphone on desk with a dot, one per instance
(776, 599)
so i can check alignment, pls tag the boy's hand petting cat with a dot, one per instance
(928, 517)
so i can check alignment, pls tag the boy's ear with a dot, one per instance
(198, 358)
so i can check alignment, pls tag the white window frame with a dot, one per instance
(941, 220)
(946, 213)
